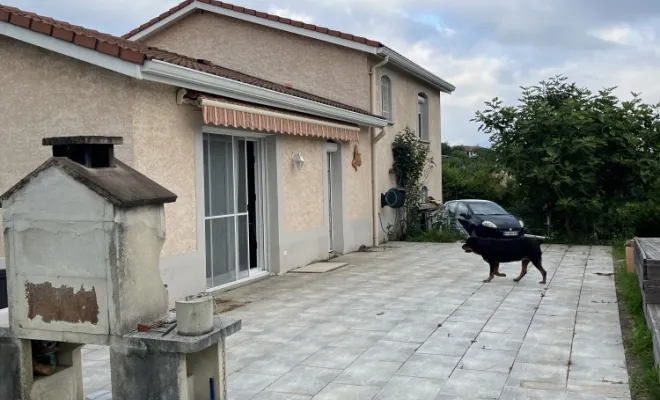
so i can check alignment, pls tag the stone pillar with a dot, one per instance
(147, 375)
(208, 363)
(15, 370)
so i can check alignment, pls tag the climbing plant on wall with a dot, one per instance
(412, 162)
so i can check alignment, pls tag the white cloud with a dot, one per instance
(616, 34)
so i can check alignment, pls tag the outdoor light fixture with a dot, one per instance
(298, 161)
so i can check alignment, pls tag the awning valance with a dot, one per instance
(240, 115)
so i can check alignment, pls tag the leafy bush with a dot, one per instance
(412, 162)
(584, 161)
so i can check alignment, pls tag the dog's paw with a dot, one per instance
(542, 282)
(486, 281)
(502, 275)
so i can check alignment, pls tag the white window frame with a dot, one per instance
(422, 117)
(386, 97)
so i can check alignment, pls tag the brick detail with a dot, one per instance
(42, 27)
(63, 34)
(85, 41)
(20, 20)
(132, 56)
(108, 48)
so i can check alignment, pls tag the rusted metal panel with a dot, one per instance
(61, 304)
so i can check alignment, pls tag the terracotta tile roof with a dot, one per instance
(259, 14)
(138, 53)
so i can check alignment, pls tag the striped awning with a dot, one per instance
(234, 114)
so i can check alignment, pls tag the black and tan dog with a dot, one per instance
(496, 251)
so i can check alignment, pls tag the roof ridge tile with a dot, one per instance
(260, 14)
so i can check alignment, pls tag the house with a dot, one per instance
(274, 134)
(471, 151)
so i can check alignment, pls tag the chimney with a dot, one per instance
(88, 151)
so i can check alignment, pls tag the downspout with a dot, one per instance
(376, 135)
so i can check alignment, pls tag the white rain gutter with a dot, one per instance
(175, 75)
(377, 133)
(415, 70)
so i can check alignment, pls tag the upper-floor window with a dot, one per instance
(386, 97)
(424, 195)
(422, 116)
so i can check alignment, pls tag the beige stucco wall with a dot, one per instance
(164, 150)
(47, 94)
(317, 67)
(404, 94)
(302, 190)
(357, 185)
(303, 201)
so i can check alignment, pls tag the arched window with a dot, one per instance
(424, 195)
(386, 97)
(422, 116)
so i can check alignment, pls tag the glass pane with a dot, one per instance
(223, 247)
(241, 176)
(207, 193)
(221, 175)
(243, 257)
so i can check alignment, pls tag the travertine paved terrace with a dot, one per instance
(416, 322)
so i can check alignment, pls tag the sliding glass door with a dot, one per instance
(232, 208)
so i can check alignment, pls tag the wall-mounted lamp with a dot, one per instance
(298, 161)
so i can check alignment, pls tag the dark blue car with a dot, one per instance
(484, 218)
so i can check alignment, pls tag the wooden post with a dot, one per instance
(630, 257)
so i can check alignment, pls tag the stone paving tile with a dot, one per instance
(445, 346)
(477, 359)
(368, 373)
(458, 329)
(596, 369)
(410, 332)
(518, 393)
(328, 336)
(429, 366)
(241, 385)
(390, 351)
(474, 384)
(358, 339)
(304, 380)
(556, 337)
(598, 349)
(335, 391)
(535, 353)
(333, 357)
(538, 376)
(499, 341)
(279, 396)
(409, 388)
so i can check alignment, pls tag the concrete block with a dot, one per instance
(194, 315)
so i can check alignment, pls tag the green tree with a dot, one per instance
(412, 161)
(577, 157)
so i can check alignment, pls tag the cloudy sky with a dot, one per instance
(486, 48)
